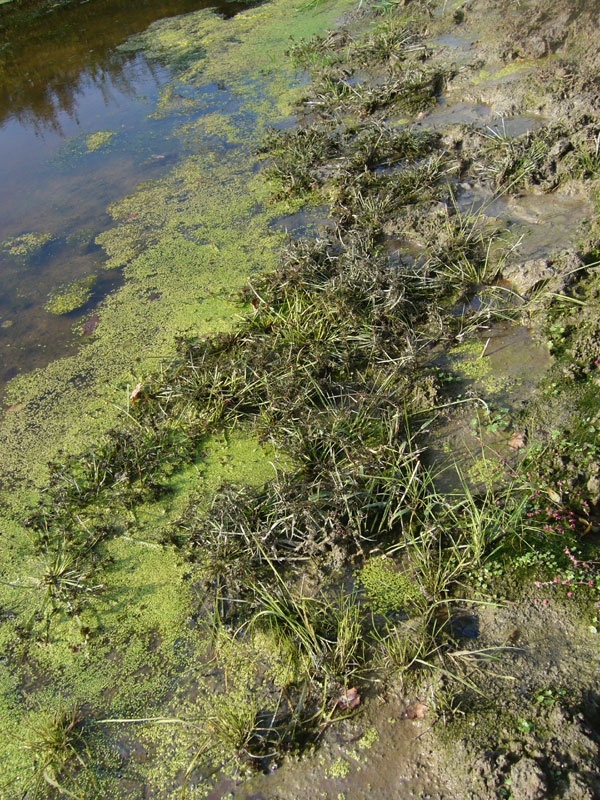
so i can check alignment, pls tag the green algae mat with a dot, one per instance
(191, 239)
(208, 217)
(316, 516)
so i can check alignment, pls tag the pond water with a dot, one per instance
(74, 135)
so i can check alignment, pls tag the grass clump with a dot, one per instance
(368, 74)
(319, 51)
(390, 43)
(325, 634)
(57, 745)
(315, 159)
(295, 157)
(528, 160)
(65, 585)
(587, 164)
(412, 91)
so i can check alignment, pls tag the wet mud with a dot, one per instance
(340, 540)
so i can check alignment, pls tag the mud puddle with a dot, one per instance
(402, 250)
(543, 224)
(307, 221)
(493, 377)
(455, 43)
(515, 357)
(450, 111)
(381, 756)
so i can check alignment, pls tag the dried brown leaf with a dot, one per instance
(517, 440)
(416, 710)
(135, 393)
(349, 699)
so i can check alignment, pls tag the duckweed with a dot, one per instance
(388, 589)
(27, 244)
(94, 141)
(71, 296)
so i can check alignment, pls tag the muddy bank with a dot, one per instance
(348, 546)
(532, 731)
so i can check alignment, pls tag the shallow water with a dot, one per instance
(62, 78)
(308, 221)
(454, 41)
(544, 224)
(503, 365)
(402, 250)
(480, 115)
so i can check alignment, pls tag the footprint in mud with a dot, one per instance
(464, 625)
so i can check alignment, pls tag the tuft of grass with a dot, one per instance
(59, 752)
(401, 650)
(66, 586)
(412, 91)
(390, 44)
(319, 51)
(327, 634)
(296, 156)
(587, 161)
(519, 162)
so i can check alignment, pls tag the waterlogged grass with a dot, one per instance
(58, 749)
(365, 75)
(257, 541)
(323, 369)
(61, 408)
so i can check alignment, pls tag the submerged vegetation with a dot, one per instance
(27, 244)
(346, 573)
(71, 296)
(93, 141)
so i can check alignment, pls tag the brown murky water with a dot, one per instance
(62, 78)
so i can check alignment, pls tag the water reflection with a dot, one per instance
(61, 79)
(53, 54)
